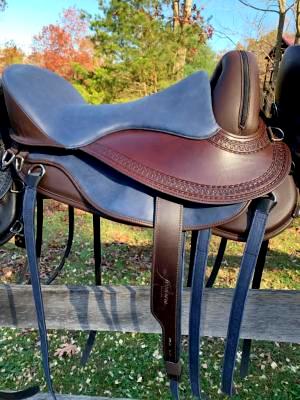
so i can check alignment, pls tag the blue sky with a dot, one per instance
(23, 19)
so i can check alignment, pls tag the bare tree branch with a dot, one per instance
(290, 7)
(3, 5)
(224, 36)
(245, 3)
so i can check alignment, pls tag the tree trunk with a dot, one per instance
(175, 14)
(181, 53)
(278, 51)
(297, 12)
(187, 10)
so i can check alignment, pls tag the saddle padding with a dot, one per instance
(90, 185)
(45, 109)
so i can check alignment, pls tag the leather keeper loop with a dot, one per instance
(173, 369)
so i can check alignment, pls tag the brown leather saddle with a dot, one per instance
(192, 157)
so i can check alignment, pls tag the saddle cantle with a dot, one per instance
(162, 161)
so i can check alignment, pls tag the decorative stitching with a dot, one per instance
(238, 146)
(200, 192)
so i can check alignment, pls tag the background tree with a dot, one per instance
(10, 54)
(145, 45)
(261, 46)
(59, 47)
(297, 21)
(281, 8)
(3, 4)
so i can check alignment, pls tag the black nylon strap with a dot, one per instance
(98, 281)
(39, 225)
(217, 264)
(32, 181)
(194, 237)
(67, 250)
(244, 368)
(198, 280)
(252, 248)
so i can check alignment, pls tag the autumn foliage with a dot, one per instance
(58, 47)
(10, 54)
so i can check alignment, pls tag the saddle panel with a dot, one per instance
(94, 187)
(281, 216)
(46, 110)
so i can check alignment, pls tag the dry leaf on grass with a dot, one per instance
(67, 349)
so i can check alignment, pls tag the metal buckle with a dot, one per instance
(8, 158)
(42, 170)
(273, 197)
(19, 163)
(18, 190)
(274, 110)
(273, 137)
(17, 227)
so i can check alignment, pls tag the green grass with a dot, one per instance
(130, 365)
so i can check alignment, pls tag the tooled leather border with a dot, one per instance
(245, 145)
(192, 191)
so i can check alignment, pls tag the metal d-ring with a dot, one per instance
(275, 137)
(8, 158)
(273, 197)
(42, 170)
(17, 227)
(19, 163)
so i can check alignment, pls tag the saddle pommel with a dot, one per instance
(236, 93)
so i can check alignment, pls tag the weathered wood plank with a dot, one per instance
(44, 396)
(269, 315)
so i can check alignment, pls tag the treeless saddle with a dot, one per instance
(192, 157)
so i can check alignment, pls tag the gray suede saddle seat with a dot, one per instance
(169, 141)
(65, 120)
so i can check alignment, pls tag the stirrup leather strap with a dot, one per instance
(167, 281)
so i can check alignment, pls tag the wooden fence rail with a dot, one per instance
(269, 315)
(44, 396)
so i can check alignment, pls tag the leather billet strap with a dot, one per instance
(249, 260)
(166, 287)
(32, 180)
